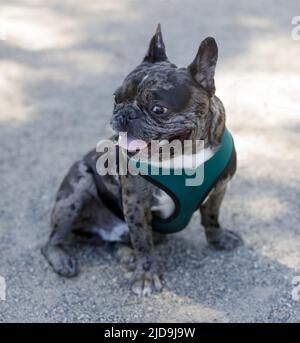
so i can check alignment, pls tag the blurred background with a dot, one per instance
(60, 62)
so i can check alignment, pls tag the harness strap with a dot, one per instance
(188, 199)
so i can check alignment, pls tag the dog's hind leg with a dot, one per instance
(218, 237)
(77, 188)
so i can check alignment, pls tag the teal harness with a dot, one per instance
(187, 199)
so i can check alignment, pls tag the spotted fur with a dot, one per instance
(121, 208)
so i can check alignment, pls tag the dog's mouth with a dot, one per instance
(133, 144)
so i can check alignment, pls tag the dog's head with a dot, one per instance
(159, 101)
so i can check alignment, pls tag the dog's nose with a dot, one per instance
(123, 117)
(132, 114)
(129, 113)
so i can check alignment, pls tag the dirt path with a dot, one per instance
(59, 65)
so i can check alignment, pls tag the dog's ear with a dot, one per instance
(203, 67)
(157, 50)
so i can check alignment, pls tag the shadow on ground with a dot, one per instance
(60, 64)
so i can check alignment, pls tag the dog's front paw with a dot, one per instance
(145, 283)
(61, 262)
(145, 279)
(229, 240)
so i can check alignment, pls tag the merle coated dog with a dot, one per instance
(156, 101)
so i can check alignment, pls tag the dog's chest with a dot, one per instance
(164, 205)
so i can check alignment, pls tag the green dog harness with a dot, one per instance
(188, 198)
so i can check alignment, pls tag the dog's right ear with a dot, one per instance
(157, 50)
(203, 67)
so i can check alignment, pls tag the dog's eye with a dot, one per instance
(158, 109)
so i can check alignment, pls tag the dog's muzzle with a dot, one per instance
(123, 116)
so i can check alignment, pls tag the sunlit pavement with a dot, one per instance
(59, 65)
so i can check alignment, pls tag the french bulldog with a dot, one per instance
(156, 101)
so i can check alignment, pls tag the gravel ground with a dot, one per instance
(59, 64)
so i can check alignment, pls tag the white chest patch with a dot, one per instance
(165, 206)
(115, 234)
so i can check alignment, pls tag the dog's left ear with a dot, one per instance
(203, 67)
(157, 50)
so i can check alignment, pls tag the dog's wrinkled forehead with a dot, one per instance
(162, 82)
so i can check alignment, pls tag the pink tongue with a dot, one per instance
(130, 143)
